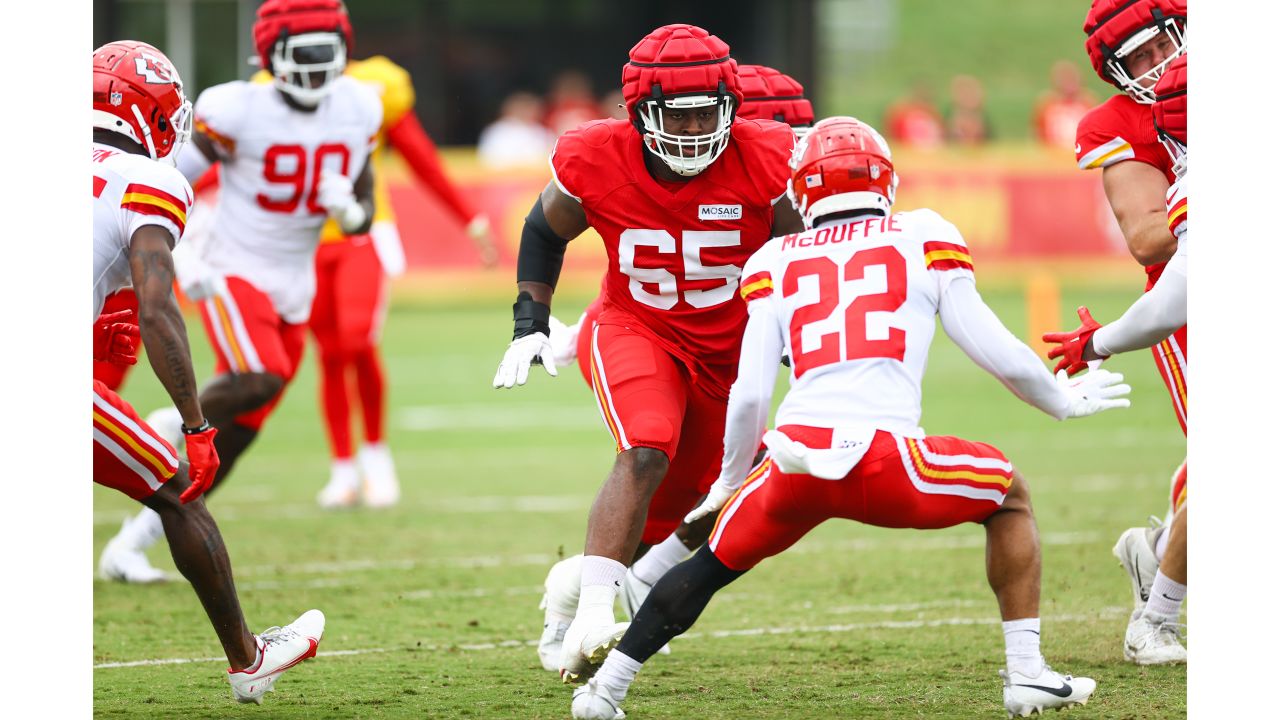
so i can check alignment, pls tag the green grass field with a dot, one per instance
(432, 606)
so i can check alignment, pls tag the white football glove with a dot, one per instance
(1093, 392)
(520, 354)
(719, 494)
(337, 196)
(564, 341)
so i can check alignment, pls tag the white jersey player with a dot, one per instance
(1155, 558)
(853, 301)
(141, 118)
(292, 153)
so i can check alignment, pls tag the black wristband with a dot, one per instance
(530, 317)
(196, 430)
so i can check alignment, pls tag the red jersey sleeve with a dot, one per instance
(1118, 130)
(766, 151)
(575, 159)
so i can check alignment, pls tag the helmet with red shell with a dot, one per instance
(304, 45)
(681, 67)
(1170, 113)
(842, 164)
(1116, 28)
(137, 93)
(773, 95)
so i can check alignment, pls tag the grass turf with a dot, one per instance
(436, 599)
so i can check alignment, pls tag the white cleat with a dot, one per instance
(167, 422)
(343, 488)
(593, 702)
(551, 645)
(381, 486)
(279, 648)
(1024, 695)
(1136, 552)
(1151, 641)
(123, 563)
(585, 649)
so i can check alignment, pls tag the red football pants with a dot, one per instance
(346, 320)
(646, 399)
(128, 455)
(928, 483)
(248, 335)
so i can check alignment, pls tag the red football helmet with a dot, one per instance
(1116, 28)
(769, 94)
(1170, 113)
(137, 93)
(681, 67)
(304, 45)
(841, 164)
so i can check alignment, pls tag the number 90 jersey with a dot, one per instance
(676, 250)
(856, 303)
(267, 223)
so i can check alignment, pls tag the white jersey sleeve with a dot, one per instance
(1155, 316)
(975, 328)
(751, 397)
(220, 113)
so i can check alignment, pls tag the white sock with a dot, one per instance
(601, 581)
(1166, 598)
(143, 531)
(344, 474)
(1022, 646)
(660, 558)
(617, 674)
(1162, 542)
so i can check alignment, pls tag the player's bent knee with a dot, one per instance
(257, 389)
(646, 464)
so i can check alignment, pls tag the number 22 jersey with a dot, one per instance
(267, 223)
(856, 302)
(676, 249)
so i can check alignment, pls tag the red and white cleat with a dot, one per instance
(279, 648)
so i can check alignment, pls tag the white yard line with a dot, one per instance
(1103, 614)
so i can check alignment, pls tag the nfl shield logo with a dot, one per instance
(875, 172)
(117, 98)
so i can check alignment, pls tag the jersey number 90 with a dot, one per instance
(288, 165)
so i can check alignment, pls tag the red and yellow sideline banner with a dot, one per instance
(1011, 202)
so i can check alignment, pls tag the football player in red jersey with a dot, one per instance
(682, 194)
(767, 94)
(141, 119)
(1157, 566)
(848, 442)
(1130, 44)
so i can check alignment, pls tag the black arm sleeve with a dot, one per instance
(541, 250)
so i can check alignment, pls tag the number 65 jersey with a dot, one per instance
(856, 303)
(267, 223)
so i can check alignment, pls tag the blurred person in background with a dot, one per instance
(1130, 43)
(517, 138)
(570, 102)
(1060, 109)
(613, 106)
(350, 306)
(967, 121)
(292, 154)
(914, 121)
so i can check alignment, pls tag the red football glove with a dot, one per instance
(116, 338)
(202, 463)
(1071, 345)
